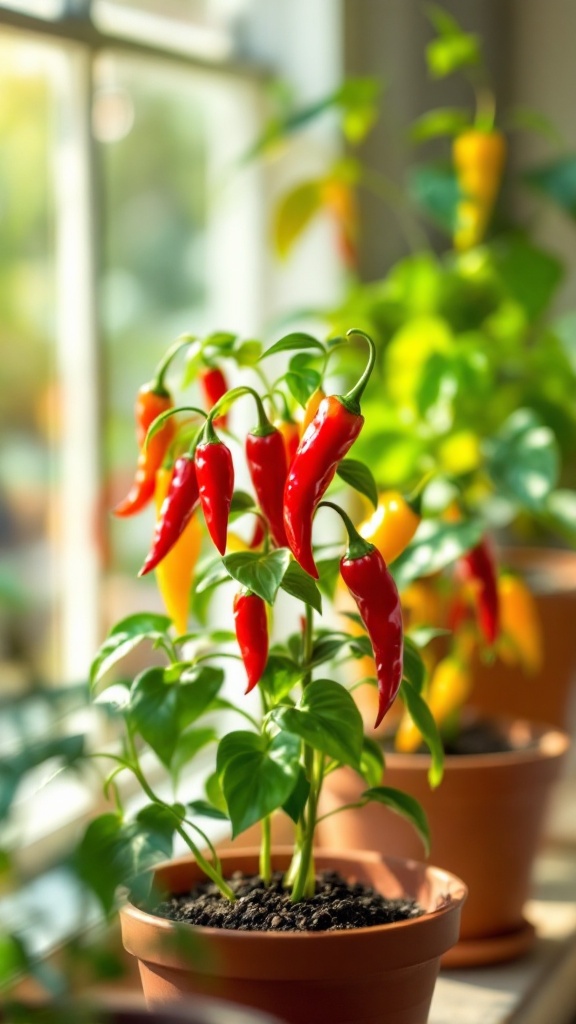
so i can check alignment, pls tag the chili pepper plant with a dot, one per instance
(300, 722)
(474, 381)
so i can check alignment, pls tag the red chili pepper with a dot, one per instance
(329, 437)
(478, 567)
(215, 474)
(365, 573)
(213, 385)
(268, 468)
(152, 400)
(252, 634)
(177, 509)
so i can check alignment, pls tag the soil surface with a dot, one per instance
(336, 905)
(481, 737)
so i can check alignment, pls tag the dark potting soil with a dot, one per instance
(335, 906)
(480, 737)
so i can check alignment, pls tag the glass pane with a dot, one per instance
(203, 27)
(39, 8)
(151, 122)
(29, 423)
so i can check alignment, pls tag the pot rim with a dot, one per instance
(546, 564)
(456, 896)
(548, 744)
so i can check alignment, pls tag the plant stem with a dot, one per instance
(204, 864)
(265, 851)
(301, 870)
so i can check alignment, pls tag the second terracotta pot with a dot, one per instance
(550, 694)
(385, 973)
(486, 821)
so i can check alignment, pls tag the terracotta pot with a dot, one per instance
(485, 819)
(549, 695)
(384, 974)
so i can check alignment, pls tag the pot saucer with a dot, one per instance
(493, 949)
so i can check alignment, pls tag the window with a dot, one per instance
(126, 219)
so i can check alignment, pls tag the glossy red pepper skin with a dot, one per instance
(213, 385)
(177, 509)
(215, 474)
(324, 444)
(251, 627)
(478, 567)
(375, 593)
(268, 468)
(151, 402)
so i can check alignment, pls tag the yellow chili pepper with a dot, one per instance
(312, 408)
(520, 625)
(449, 689)
(174, 573)
(479, 158)
(392, 526)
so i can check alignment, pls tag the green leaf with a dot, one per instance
(530, 274)
(160, 710)
(142, 624)
(442, 121)
(124, 637)
(414, 669)
(210, 575)
(329, 574)
(557, 181)
(358, 476)
(371, 762)
(404, 805)
(435, 189)
(248, 353)
(14, 960)
(295, 342)
(204, 809)
(299, 584)
(303, 384)
(221, 340)
(423, 720)
(188, 745)
(296, 802)
(326, 646)
(436, 545)
(113, 853)
(260, 572)
(280, 676)
(358, 99)
(450, 53)
(327, 718)
(214, 794)
(65, 750)
(523, 460)
(258, 775)
(241, 502)
(442, 21)
(294, 213)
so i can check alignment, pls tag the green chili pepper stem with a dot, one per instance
(351, 400)
(264, 426)
(157, 423)
(157, 383)
(357, 546)
(415, 496)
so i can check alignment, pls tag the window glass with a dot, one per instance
(29, 422)
(38, 8)
(204, 27)
(167, 240)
